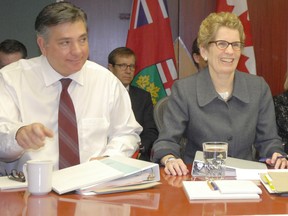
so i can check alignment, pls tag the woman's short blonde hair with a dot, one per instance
(211, 24)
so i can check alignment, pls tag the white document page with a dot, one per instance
(83, 175)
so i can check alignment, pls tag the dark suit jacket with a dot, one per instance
(143, 110)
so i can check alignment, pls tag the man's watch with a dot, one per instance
(169, 159)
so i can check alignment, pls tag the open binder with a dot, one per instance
(109, 175)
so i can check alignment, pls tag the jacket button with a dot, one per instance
(229, 138)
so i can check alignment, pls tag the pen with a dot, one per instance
(264, 159)
(212, 185)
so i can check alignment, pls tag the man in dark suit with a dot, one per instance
(121, 61)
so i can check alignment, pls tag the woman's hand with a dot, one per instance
(277, 161)
(174, 166)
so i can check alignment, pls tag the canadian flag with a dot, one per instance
(239, 7)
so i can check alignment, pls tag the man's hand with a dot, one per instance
(33, 136)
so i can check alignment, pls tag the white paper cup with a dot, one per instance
(38, 173)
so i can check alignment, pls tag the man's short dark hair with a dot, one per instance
(10, 46)
(58, 13)
(120, 51)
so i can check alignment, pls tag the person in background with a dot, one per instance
(281, 111)
(122, 63)
(30, 96)
(199, 62)
(219, 104)
(11, 51)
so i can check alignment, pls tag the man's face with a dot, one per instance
(66, 47)
(125, 75)
(6, 58)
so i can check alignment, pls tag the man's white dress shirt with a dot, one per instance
(30, 92)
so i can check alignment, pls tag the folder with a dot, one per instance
(275, 181)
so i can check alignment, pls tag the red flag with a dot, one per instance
(150, 37)
(239, 7)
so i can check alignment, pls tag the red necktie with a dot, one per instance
(67, 128)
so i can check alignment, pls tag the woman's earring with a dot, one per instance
(205, 58)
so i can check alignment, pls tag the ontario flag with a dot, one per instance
(247, 61)
(150, 37)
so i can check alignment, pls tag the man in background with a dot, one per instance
(11, 51)
(199, 62)
(122, 63)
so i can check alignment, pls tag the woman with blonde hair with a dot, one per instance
(219, 104)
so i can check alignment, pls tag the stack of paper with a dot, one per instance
(109, 175)
(224, 189)
(7, 184)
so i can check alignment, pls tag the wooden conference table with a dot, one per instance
(165, 199)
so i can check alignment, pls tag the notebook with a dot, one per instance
(237, 186)
(200, 190)
(8, 184)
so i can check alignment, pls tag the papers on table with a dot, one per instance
(238, 168)
(237, 187)
(227, 190)
(109, 175)
(235, 162)
(248, 174)
(82, 175)
(7, 184)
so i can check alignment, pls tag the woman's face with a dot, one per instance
(223, 61)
